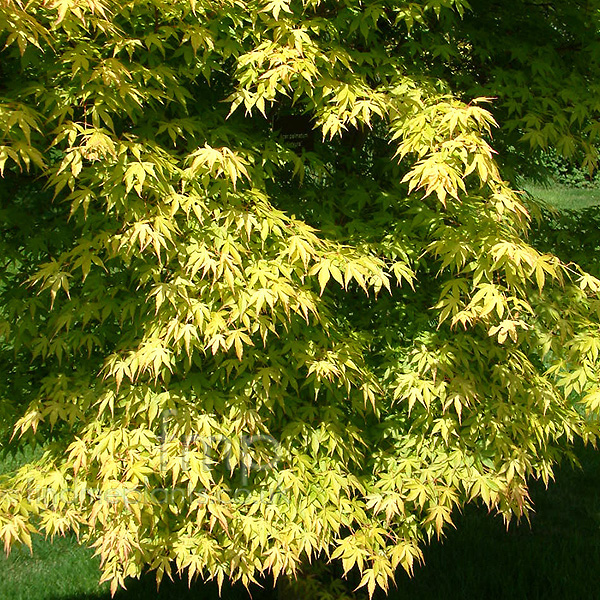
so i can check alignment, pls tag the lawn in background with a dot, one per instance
(59, 570)
(562, 197)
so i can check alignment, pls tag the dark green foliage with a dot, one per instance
(574, 235)
(553, 169)
(538, 59)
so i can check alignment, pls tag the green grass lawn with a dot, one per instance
(58, 570)
(562, 197)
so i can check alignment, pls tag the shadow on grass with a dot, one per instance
(557, 557)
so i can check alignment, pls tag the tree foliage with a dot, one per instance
(238, 355)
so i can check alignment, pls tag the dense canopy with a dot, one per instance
(266, 297)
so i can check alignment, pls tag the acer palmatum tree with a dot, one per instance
(266, 297)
